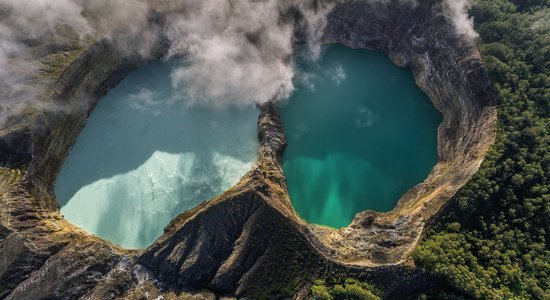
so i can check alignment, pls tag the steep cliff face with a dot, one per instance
(247, 241)
(448, 68)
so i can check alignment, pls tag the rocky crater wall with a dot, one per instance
(448, 68)
(249, 240)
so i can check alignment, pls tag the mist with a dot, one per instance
(232, 55)
(235, 56)
(457, 10)
(30, 23)
(231, 51)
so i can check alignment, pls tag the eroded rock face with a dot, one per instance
(247, 242)
(448, 68)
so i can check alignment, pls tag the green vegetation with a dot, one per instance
(350, 289)
(493, 242)
(54, 64)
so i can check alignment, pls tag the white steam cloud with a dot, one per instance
(233, 55)
(25, 25)
(233, 51)
(22, 22)
(458, 12)
(239, 51)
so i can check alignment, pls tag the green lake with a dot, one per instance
(360, 134)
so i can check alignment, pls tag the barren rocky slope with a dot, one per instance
(248, 242)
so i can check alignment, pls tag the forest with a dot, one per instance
(492, 242)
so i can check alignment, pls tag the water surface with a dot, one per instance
(360, 134)
(146, 155)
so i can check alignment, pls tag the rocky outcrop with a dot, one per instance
(448, 68)
(247, 242)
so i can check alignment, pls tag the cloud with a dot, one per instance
(306, 79)
(125, 23)
(315, 16)
(234, 51)
(458, 12)
(235, 56)
(338, 74)
(30, 23)
(21, 24)
(147, 101)
(37, 18)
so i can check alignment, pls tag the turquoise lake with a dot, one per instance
(146, 155)
(360, 134)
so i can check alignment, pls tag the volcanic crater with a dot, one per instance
(238, 242)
